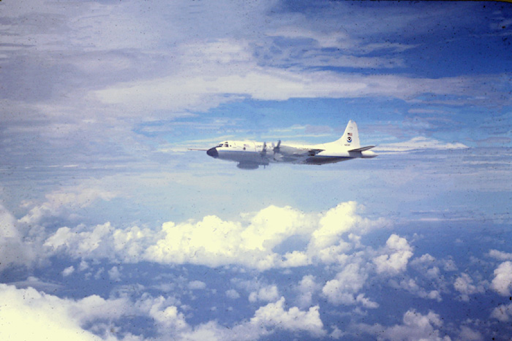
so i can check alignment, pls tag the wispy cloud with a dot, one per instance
(419, 143)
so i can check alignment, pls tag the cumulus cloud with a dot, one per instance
(266, 320)
(215, 242)
(197, 285)
(60, 201)
(233, 294)
(500, 255)
(101, 241)
(83, 266)
(68, 271)
(464, 285)
(268, 293)
(430, 273)
(502, 312)
(114, 274)
(164, 311)
(468, 334)
(306, 288)
(344, 287)
(333, 224)
(502, 282)
(412, 286)
(396, 258)
(69, 317)
(274, 315)
(30, 315)
(415, 326)
(13, 250)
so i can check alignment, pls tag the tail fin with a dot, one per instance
(351, 136)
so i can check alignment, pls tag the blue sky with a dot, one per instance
(110, 229)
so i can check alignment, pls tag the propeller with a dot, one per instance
(277, 150)
(264, 150)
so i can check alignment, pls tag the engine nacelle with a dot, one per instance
(248, 165)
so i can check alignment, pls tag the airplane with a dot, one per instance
(252, 154)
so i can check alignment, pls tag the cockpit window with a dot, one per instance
(226, 144)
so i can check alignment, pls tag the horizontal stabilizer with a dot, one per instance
(362, 149)
(313, 152)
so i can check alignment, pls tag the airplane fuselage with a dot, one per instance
(252, 154)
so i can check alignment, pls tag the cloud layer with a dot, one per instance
(214, 242)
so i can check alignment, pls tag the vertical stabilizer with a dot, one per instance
(351, 136)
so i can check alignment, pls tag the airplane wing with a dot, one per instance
(362, 149)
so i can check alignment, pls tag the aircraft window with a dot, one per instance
(226, 144)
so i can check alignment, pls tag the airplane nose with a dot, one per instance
(213, 152)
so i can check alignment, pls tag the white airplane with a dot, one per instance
(251, 154)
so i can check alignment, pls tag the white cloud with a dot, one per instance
(29, 315)
(425, 260)
(199, 87)
(68, 271)
(411, 286)
(7, 228)
(214, 242)
(502, 312)
(419, 143)
(114, 274)
(468, 334)
(83, 266)
(101, 241)
(332, 39)
(197, 285)
(163, 310)
(70, 198)
(268, 293)
(502, 282)
(500, 255)
(395, 261)
(464, 285)
(216, 71)
(274, 315)
(336, 333)
(13, 251)
(266, 320)
(306, 288)
(449, 265)
(344, 287)
(350, 280)
(415, 327)
(233, 294)
(36, 283)
(81, 242)
(333, 224)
